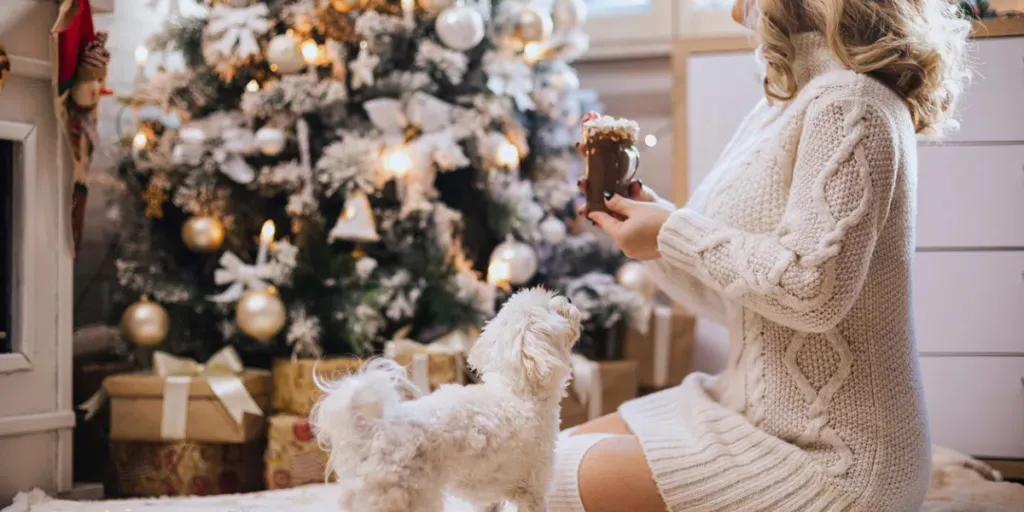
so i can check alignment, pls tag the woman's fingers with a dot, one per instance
(610, 225)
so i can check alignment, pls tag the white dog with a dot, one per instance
(485, 443)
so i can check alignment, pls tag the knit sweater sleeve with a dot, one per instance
(807, 273)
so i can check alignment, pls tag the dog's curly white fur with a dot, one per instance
(485, 443)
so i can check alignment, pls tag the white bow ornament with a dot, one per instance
(240, 276)
(232, 31)
(230, 155)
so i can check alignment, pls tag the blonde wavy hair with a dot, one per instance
(918, 48)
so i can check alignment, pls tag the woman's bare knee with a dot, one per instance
(614, 476)
(607, 424)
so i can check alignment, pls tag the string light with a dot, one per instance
(310, 51)
(532, 52)
(650, 140)
(507, 155)
(252, 86)
(140, 141)
(397, 161)
(498, 273)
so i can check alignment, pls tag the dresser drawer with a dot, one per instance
(970, 196)
(976, 404)
(969, 302)
(991, 109)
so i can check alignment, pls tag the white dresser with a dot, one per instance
(969, 270)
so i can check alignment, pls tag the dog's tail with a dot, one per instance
(351, 405)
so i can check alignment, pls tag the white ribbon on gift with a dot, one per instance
(233, 30)
(587, 386)
(220, 372)
(240, 276)
(662, 344)
(419, 367)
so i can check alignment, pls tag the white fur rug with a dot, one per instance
(314, 498)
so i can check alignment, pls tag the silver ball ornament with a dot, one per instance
(569, 15)
(145, 323)
(460, 27)
(270, 140)
(553, 230)
(533, 25)
(203, 233)
(260, 314)
(284, 55)
(634, 276)
(521, 259)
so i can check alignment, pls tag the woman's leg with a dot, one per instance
(614, 476)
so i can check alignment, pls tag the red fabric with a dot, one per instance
(80, 31)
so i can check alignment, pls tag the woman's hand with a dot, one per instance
(637, 233)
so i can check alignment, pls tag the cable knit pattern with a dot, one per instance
(800, 240)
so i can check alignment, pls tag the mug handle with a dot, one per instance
(634, 163)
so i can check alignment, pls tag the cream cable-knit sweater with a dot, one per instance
(801, 241)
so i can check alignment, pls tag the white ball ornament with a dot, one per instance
(521, 260)
(460, 27)
(553, 230)
(284, 55)
(569, 15)
(270, 140)
(533, 25)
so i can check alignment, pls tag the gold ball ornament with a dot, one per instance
(145, 323)
(533, 25)
(633, 275)
(203, 233)
(260, 314)
(348, 5)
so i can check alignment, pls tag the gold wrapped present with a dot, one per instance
(293, 457)
(598, 388)
(662, 347)
(183, 468)
(216, 402)
(429, 366)
(295, 389)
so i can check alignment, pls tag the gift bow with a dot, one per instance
(221, 374)
(240, 276)
(587, 386)
(420, 353)
(235, 29)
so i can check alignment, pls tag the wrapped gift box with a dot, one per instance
(293, 457)
(184, 468)
(609, 385)
(295, 390)
(138, 403)
(664, 350)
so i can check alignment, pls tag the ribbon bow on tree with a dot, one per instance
(230, 155)
(220, 372)
(438, 141)
(232, 32)
(239, 276)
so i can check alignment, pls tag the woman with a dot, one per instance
(801, 241)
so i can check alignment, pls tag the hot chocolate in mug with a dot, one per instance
(612, 158)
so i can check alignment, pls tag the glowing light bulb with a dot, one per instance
(397, 161)
(532, 52)
(498, 272)
(140, 141)
(252, 86)
(650, 140)
(310, 51)
(141, 55)
(267, 232)
(508, 155)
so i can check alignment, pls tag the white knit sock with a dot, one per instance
(565, 491)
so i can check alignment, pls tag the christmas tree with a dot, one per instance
(324, 174)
